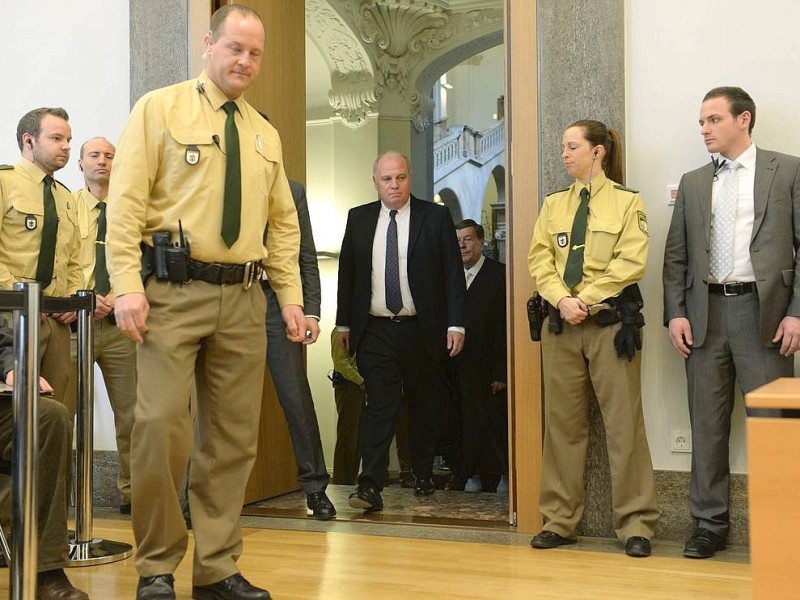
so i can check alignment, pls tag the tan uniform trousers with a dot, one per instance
(214, 335)
(115, 354)
(582, 357)
(56, 362)
(54, 430)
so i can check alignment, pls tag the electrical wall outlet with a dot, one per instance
(681, 440)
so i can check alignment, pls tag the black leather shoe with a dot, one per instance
(54, 585)
(424, 487)
(235, 587)
(159, 587)
(125, 508)
(637, 546)
(704, 543)
(367, 497)
(320, 507)
(545, 540)
(456, 483)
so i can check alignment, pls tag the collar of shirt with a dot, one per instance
(474, 270)
(402, 212)
(595, 185)
(31, 170)
(206, 87)
(747, 159)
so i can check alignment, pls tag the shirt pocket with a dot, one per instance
(601, 240)
(25, 218)
(192, 151)
(560, 232)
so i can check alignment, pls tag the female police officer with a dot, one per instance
(589, 244)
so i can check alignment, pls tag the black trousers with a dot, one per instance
(398, 370)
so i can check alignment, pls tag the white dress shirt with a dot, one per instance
(377, 305)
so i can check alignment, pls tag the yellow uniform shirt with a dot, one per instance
(88, 214)
(21, 194)
(616, 242)
(170, 165)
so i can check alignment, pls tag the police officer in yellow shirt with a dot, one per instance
(588, 251)
(197, 166)
(114, 353)
(39, 234)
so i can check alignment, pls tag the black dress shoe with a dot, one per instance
(424, 487)
(54, 585)
(545, 540)
(319, 506)
(704, 543)
(125, 508)
(367, 497)
(637, 546)
(235, 587)
(159, 587)
(456, 483)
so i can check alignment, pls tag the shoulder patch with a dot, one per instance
(625, 189)
(642, 219)
(6, 167)
(62, 185)
(557, 191)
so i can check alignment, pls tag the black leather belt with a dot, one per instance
(734, 288)
(396, 318)
(222, 274)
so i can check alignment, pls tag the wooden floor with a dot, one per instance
(296, 565)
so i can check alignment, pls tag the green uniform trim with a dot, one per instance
(558, 192)
(625, 189)
(6, 167)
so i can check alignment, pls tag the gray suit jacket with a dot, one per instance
(773, 245)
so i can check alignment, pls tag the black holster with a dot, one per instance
(167, 261)
(536, 316)
(555, 324)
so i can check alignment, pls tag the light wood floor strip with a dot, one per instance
(297, 565)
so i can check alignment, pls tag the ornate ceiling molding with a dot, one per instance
(397, 40)
(352, 95)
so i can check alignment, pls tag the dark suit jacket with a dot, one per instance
(435, 272)
(309, 269)
(485, 343)
(773, 245)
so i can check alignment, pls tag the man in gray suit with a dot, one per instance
(287, 368)
(731, 291)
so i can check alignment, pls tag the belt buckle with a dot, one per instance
(249, 274)
(732, 285)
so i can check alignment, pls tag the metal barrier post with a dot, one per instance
(84, 549)
(25, 448)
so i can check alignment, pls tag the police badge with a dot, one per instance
(192, 155)
(562, 240)
(30, 222)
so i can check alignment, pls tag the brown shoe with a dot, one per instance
(54, 585)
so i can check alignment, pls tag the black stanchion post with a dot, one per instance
(86, 550)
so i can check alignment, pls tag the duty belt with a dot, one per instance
(223, 274)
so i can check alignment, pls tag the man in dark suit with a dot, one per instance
(479, 426)
(731, 291)
(401, 310)
(287, 368)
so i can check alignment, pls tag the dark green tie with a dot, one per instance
(101, 283)
(47, 249)
(232, 208)
(573, 272)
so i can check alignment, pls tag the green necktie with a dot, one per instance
(47, 249)
(232, 207)
(573, 272)
(101, 283)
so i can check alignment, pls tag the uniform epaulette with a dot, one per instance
(558, 191)
(62, 185)
(6, 167)
(625, 189)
